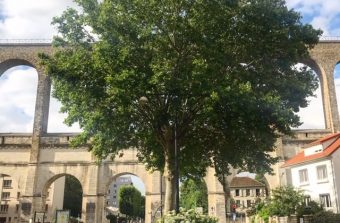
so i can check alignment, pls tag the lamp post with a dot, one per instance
(176, 165)
(144, 101)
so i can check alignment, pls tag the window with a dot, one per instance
(237, 192)
(248, 203)
(18, 195)
(322, 172)
(247, 192)
(238, 203)
(46, 207)
(16, 208)
(303, 174)
(325, 200)
(7, 183)
(307, 200)
(257, 192)
(4, 208)
(2, 219)
(5, 195)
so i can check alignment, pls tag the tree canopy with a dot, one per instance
(218, 72)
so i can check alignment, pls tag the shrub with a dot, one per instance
(326, 217)
(189, 216)
(312, 208)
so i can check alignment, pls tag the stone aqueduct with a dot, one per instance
(36, 160)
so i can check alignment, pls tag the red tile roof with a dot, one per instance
(301, 158)
(245, 182)
(322, 140)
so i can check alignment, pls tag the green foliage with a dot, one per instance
(131, 202)
(311, 209)
(220, 70)
(194, 194)
(285, 200)
(326, 217)
(112, 218)
(187, 216)
(73, 196)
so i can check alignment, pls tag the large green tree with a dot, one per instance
(219, 72)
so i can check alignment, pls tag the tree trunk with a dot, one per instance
(170, 185)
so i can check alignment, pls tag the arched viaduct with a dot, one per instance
(35, 160)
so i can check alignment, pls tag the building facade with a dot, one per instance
(113, 192)
(9, 206)
(315, 170)
(245, 192)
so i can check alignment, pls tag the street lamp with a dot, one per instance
(143, 101)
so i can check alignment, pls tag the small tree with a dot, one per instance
(285, 201)
(73, 196)
(130, 202)
(194, 194)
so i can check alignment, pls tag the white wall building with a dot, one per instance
(316, 171)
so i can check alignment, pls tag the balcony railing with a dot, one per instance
(25, 41)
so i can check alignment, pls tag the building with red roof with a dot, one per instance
(316, 171)
(245, 191)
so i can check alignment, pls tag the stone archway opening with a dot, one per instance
(312, 116)
(125, 199)
(9, 199)
(18, 89)
(63, 192)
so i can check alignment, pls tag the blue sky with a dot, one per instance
(23, 19)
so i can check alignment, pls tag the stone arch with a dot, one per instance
(44, 194)
(54, 178)
(18, 91)
(322, 77)
(326, 56)
(10, 59)
(9, 63)
(136, 170)
(114, 178)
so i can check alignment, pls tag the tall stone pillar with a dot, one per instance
(325, 57)
(32, 199)
(154, 197)
(93, 198)
(216, 196)
(330, 92)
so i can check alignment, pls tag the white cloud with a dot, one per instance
(30, 19)
(17, 96)
(56, 119)
(313, 116)
(18, 88)
(322, 13)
